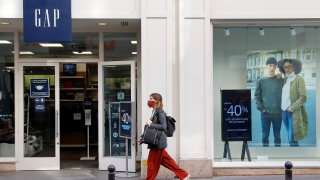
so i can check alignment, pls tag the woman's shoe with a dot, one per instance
(188, 177)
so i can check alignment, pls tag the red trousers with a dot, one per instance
(159, 157)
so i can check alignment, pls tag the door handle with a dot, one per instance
(57, 123)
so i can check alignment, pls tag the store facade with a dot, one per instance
(188, 51)
(241, 62)
(51, 89)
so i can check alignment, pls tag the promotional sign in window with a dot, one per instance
(47, 20)
(39, 105)
(117, 143)
(39, 87)
(236, 115)
(125, 119)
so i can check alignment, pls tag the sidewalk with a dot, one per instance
(88, 174)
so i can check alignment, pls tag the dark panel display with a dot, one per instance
(236, 115)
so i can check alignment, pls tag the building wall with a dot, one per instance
(217, 9)
(176, 57)
(82, 9)
(258, 9)
(157, 60)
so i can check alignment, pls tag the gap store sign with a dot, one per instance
(47, 20)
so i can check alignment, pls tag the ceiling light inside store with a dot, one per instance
(227, 32)
(293, 31)
(81, 52)
(102, 24)
(4, 23)
(261, 31)
(24, 52)
(134, 53)
(5, 42)
(51, 45)
(134, 42)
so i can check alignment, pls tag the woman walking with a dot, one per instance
(158, 154)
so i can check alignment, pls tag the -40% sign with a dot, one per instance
(237, 110)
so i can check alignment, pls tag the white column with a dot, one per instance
(196, 96)
(157, 58)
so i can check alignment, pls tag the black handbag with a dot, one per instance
(151, 135)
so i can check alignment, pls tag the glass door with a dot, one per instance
(39, 147)
(117, 122)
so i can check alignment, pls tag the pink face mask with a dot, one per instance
(151, 103)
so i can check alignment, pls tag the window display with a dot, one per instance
(279, 68)
(7, 136)
(273, 100)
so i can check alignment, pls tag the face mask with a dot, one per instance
(151, 103)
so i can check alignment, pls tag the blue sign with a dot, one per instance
(117, 143)
(47, 20)
(125, 119)
(39, 87)
(39, 105)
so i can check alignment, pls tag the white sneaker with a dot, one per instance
(188, 177)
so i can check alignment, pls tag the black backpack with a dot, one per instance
(171, 126)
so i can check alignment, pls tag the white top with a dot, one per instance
(285, 99)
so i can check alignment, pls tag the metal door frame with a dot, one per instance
(118, 162)
(40, 163)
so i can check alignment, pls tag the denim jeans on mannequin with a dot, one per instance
(266, 120)
(287, 121)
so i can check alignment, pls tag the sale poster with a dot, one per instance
(236, 115)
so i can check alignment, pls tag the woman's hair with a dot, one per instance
(158, 98)
(295, 63)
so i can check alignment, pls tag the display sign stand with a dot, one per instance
(236, 120)
(245, 149)
(88, 149)
(125, 132)
(226, 151)
(127, 174)
(87, 113)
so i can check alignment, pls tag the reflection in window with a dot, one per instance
(120, 46)
(279, 43)
(6, 96)
(83, 45)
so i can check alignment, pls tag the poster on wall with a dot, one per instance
(236, 115)
(283, 92)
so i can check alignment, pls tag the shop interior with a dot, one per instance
(78, 84)
(78, 80)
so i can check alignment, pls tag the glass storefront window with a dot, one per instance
(117, 89)
(6, 96)
(247, 57)
(83, 45)
(120, 46)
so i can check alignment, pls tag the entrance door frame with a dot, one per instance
(19, 105)
(34, 163)
(118, 162)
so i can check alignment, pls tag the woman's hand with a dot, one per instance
(139, 140)
(148, 122)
